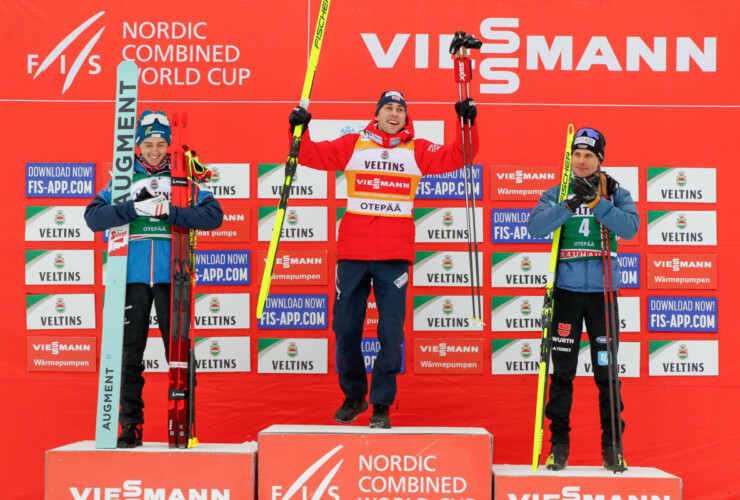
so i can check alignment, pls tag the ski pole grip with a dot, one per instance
(463, 70)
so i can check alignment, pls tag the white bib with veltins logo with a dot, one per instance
(382, 181)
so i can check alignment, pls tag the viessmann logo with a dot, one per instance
(677, 264)
(299, 485)
(501, 38)
(132, 489)
(575, 493)
(56, 347)
(57, 53)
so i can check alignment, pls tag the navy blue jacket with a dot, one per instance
(150, 260)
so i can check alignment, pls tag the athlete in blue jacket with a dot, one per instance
(150, 216)
(595, 198)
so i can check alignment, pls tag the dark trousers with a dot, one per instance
(139, 298)
(389, 281)
(571, 309)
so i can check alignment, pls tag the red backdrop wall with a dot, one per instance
(682, 115)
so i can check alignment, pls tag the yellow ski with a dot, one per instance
(547, 309)
(292, 162)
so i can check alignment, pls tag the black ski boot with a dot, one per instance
(558, 458)
(381, 417)
(608, 458)
(130, 436)
(350, 410)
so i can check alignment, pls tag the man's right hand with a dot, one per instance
(573, 203)
(299, 116)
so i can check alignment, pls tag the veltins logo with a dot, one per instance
(681, 179)
(681, 222)
(300, 483)
(84, 56)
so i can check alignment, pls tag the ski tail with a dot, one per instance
(292, 162)
(547, 312)
(114, 300)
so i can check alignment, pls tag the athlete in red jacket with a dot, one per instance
(383, 166)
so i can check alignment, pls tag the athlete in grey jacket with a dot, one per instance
(594, 198)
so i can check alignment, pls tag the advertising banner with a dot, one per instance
(417, 462)
(695, 228)
(57, 224)
(449, 356)
(212, 354)
(281, 355)
(682, 271)
(682, 185)
(446, 269)
(60, 311)
(62, 354)
(235, 227)
(59, 267)
(296, 267)
(222, 267)
(684, 357)
(443, 313)
(682, 314)
(295, 311)
(446, 225)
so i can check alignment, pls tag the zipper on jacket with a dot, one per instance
(151, 263)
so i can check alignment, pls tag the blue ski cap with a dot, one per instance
(390, 96)
(153, 124)
(591, 139)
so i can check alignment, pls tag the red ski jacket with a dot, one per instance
(383, 172)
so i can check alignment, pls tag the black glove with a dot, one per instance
(299, 116)
(585, 189)
(145, 194)
(466, 110)
(611, 184)
(573, 203)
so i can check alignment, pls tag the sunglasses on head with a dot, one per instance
(589, 132)
(154, 117)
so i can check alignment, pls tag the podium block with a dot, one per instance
(346, 462)
(518, 482)
(211, 471)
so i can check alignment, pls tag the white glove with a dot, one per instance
(157, 207)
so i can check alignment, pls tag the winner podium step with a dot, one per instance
(352, 462)
(518, 482)
(154, 471)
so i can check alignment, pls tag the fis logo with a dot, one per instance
(300, 484)
(58, 53)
